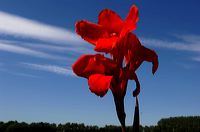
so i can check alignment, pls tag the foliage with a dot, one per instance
(172, 124)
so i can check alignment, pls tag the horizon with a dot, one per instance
(57, 124)
(38, 45)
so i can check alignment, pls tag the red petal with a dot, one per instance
(100, 64)
(133, 48)
(137, 53)
(106, 44)
(95, 65)
(110, 20)
(145, 54)
(130, 22)
(79, 66)
(129, 73)
(150, 56)
(137, 90)
(99, 84)
(89, 31)
(87, 65)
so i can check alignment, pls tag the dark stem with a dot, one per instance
(136, 122)
(119, 103)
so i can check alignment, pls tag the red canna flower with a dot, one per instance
(98, 70)
(114, 36)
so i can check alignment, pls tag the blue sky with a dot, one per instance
(38, 45)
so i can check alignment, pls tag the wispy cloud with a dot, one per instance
(16, 73)
(18, 26)
(50, 68)
(191, 38)
(193, 46)
(196, 58)
(51, 47)
(59, 48)
(187, 42)
(25, 75)
(22, 27)
(26, 51)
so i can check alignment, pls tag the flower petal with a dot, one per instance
(129, 73)
(133, 48)
(89, 31)
(150, 56)
(106, 44)
(93, 64)
(79, 66)
(110, 20)
(137, 53)
(130, 22)
(137, 90)
(99, 84)
(145, 54)
(100, 64)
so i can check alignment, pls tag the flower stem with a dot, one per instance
(119, 104)
(136, 122)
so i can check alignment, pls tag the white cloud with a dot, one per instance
(26, 51)
(81, 49)
(191, 38)
(18, 26)
(24, 75)
(50, 68)
(18, 73)
(189, 42)
(190, 45)
(196, 58)
(22, 27)
(59, 48)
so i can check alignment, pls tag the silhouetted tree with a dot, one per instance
(172, 124)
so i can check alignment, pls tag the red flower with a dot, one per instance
(114, 36)
(108, 34)
(98, 70)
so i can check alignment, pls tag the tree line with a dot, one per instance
(172, 124)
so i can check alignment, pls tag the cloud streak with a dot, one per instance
(26, 51)
(22, 27)
(24, 75)
(189, 43)
(58, 48)
(191, 38)
(176, 45)
(21, 74)
(50, 68)
(196, 58)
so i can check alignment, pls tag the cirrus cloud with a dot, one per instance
(27, 51)
(50, 68)
(22, 27)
